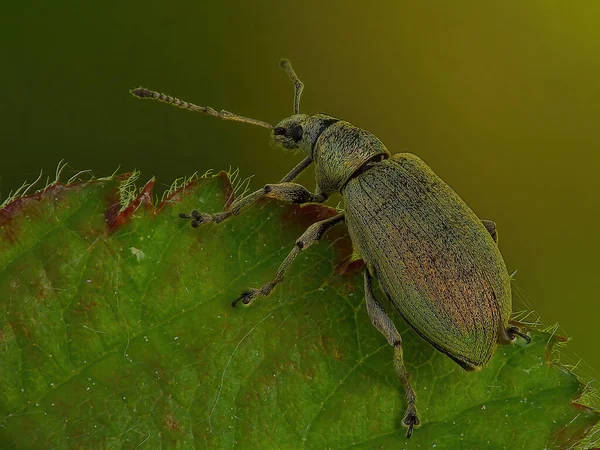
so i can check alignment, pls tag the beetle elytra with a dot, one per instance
(436, 261)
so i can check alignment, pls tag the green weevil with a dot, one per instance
(436, 261)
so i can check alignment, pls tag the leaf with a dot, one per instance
(116, 331)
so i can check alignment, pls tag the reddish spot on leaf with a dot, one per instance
(172, 424)
(115, 218)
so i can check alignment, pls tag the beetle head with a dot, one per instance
(301, 131)
(289, 133)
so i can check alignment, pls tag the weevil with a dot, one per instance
(435, 260)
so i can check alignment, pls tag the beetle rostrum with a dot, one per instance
(435, 260)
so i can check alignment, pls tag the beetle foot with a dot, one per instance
(514, 331)
(247, 296)
(411, 420)
(197, 218)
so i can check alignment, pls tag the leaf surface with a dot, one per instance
(116, 331)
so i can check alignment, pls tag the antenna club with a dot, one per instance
(141, 92)
(298, 85)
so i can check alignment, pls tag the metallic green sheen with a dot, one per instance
(434, 259)
(340, 151)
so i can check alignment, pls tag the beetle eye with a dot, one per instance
(296, 133)
(280, 131)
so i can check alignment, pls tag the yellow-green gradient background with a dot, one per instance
(501, 99)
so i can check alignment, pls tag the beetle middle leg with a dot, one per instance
(386, 327)
(312, 234)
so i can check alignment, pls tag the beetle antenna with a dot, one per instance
(225, 115)
(286, 65)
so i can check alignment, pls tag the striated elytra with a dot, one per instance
(436, 261)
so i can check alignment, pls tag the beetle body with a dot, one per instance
(436, 261)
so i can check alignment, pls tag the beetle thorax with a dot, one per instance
(341, 150)
(337, 148)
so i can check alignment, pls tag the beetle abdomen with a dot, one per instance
(433, 257)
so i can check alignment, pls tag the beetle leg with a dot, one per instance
(309, 237)
(386, 327)
(514, 331)
(286, 192)
(235, 208)
(490, 225)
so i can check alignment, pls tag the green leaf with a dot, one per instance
(116, 331)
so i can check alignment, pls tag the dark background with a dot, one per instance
(501, 99)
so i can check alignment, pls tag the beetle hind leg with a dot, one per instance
(513, 332)
(410, 419)
(384, 324)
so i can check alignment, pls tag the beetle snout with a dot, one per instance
(281, 136)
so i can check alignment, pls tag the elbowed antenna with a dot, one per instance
(225, 115)
(298, 85)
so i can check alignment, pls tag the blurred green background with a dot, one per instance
(501, 99)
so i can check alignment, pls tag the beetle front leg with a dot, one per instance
(286, 192)
(309, 237)
(235, 208)
(386, 327)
